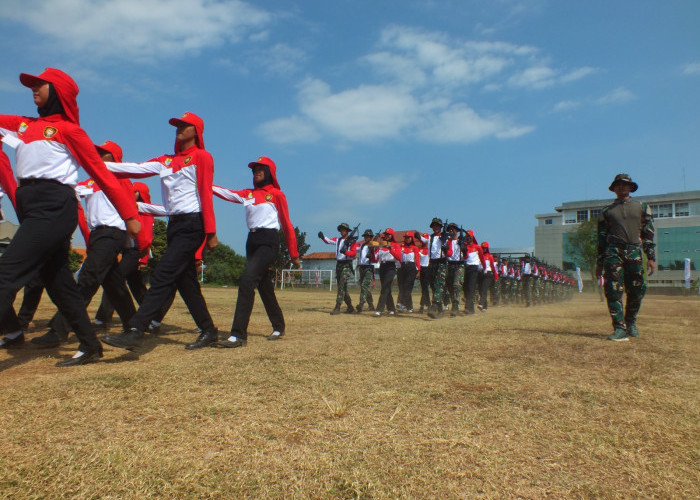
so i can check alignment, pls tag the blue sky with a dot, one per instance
(386, 113)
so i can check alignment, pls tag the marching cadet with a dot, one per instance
(625, 230)
(345, 251)
(454, 267)
(266, 213)
(424, 275)
(50, 149)
(366, 260)
(438, 265)
(473, 262)
(489, 276)
(388, 254)
(186, 184)
(525, 284)
(410, 265)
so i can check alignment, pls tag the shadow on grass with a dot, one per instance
(591, 335)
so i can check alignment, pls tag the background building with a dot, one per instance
(677, 223)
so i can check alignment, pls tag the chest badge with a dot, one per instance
(250, 195)
(188, 160)
(268, 197)
(49, 132)
(168, 161)
(22, 128)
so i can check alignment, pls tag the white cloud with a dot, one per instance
(363, 190)
(617, 96)
(691, 68)
(289, 130)
(562, 106)
(537, 77)
(577, 74)
(140, 29)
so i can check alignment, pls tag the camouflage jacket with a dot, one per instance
(624, 223)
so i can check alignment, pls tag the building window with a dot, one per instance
(682, 210)
(548, 221)
(662, 210)
(595, 213)
(581, 215)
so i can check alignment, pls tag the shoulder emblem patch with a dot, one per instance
(49, 132)
(188, 160)
(268, 197)
(168, 161)
(22, 128)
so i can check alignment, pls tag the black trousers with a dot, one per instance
(48, 215)
(387, 273)
(261, 250)
(101, 267)
(176, 270)
(485, 285)
(129, 269)
(30, 302)
(425, 286)
(471, 273)
(406, 276)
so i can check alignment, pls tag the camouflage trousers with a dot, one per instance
(453, 283)
(366, 279)
(438, 273)
(343, 272)
(624, 270)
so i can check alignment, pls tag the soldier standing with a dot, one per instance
(438, 266)
(366, 263)
(344, 253)
(625, 230)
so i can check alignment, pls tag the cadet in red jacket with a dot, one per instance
(186, 183)
(489, 275)
(388, 254)
(406, 275)
(266, 212)
(473, 262)
(49, 150)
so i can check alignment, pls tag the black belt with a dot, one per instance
(436, 260)
(183, 217)
(103, 226)
(344, 262)
(365, 266)
(261, 229)
(34, 180)
(624, 246)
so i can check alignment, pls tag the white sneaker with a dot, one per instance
(377, 313)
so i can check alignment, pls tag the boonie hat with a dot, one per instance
(344, 225)
(623, 178)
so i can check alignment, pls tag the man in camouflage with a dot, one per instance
(438, 266)
(366, 265)
(625, 229)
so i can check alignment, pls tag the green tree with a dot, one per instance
(223, 265)
(159, 244)
(75, 260)
(283, 260)
(582, 245)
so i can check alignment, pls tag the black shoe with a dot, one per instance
(350, 310)
(154, 329)
(231, 345)
(48, 340)
(210, 338)
(421, 310)
(335, 311)
(126, 340)
(7, 343)
(86, 357)
(275, 335)
(358, 309)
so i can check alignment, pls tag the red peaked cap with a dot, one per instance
(485, 244)
(143, 191)
(267, 162)
(190, 119)
(66, 89)
(390, 231)
(112, 148)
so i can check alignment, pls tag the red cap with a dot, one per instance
(143, 190)
(112, 148)
(267, 162)
(485, 244)
(65, 87)
(388, 230)
(190, 119)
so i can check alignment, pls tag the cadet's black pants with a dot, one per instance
(176, 270)
(261, 250)
(48, 215)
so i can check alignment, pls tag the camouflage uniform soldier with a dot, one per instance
(366, 265)
(625, 229)
(438, 266)
(345, 251)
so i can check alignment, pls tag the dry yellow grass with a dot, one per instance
(524, 403)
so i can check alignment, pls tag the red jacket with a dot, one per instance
(7, 178)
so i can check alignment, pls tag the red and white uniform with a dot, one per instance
(185, 179)
(490, 266)
(54, 148)
(454, 252)
(391, 253)
(434, 243)
(474, 256)
(265, 208)
(8, 183)
(424, 256)
(340, 246)
(410, 254)
(365, 256)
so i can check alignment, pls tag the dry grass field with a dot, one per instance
(512, 403)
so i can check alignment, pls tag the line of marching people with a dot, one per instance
(450, 264)
(117, 222)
